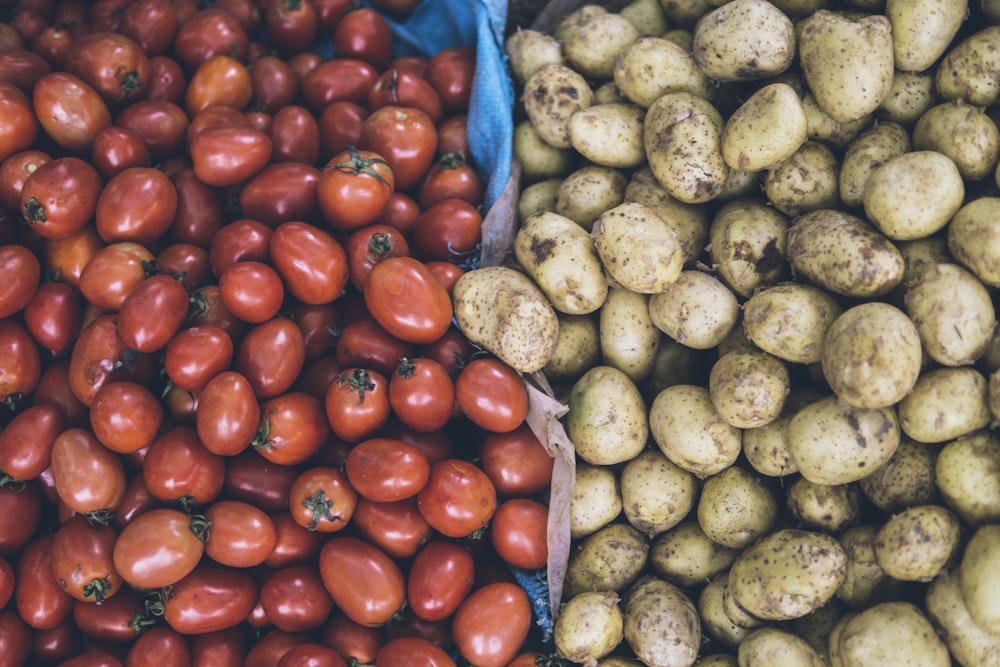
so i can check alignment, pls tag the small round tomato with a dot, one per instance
(406, 89)
(81, 560)
(450, 229)
(60, 198)
(385, 470)
(492, 624)
(354, 187)
(320, 325)
(293, 427)
(159, 547)
(421, 394)
(311, 262)
(363, 34)
(152, 313)
(69, 110)
(451, 177)
(178, 467)
(364, 343)
(271, 356)
(363, 581)
(295, 599)
(138, 204)
(166, 80)
(440, 578)
(228, 414)
(20, 272)
(408, 301)
(252, 291)
(492, 395)
(406, 137)
(413, 652)
(239, 241)
(458, 499)
(517, 462)
(241, 536)
(88, 476)
(291, 26)
(451, 71)
(125, 416)
(397, 528)
(368, 246)
(322, 500)
(219, 80)
(357, 404)
(186, 262)
(212, 597)
(446, 273)
(116, 149)
(196, 355)
(519, 533)
(453, 135)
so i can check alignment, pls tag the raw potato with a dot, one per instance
(748, 387)
(967, 473)
(962, 132)
(717, 660)
(528, 50)
(576, 18)
(767, 647)
(974, 238)
(590, 191)
(871, 355)
(609, 134)
(967, 71)
(628, 339)
(646, 15)
(656, 493)
(905, 480)
(814, 628)
(790, 321)
(953, 313)
(913, 195)
(806, 181)
(917, 256)
(917, 543)
(686, 556)
(689, 221)
(589, 626)
(592, 47)
(744, 40)
(540, 196)
(715, 622)
(767, 129)
(736, 508)
(607, 417)
(766, 448)
(651, 67)
(608, 93)
(551, 95)
(500, 309)
(890, 634)
(638, 248)
(848, 63)
(560, 257)
(697, 310)
(843, 254)
(788, 574)
(865, 154)
(834, 443)
(822, 507)
(979, 577)
(596, 500)
(691, 433)
(609, 559)
(682, 136)
(674, 364)
(747, 245)
(945, 404)
(866, 582)
(911, 94)
(661, 624)
(922, 30)
(577, 350)
(539, 160)
(968, 643)
(829, 131)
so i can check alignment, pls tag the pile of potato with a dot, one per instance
(758, 259)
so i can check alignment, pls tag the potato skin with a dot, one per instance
(790, 321)
(609, 134)
(609, 559)
(768, 128)
(628, 339)
(968, 643)
(865, 154)
(744, 40)
(889, 633)
(747, 242)
(923, 29)
(656, 493)
(697, 310)
(638, 249)
(552, 94)
(686, 556)
(589, 626)
(607, 417)
(652, 66)
(979, 576)
(966, 71)
(917, 543)
(661, 623)
(945, 403)
(689, 431)
(771, 646)
(974, 238)
(967, 473)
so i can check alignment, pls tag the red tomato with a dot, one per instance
(88, 477)
(211, 598)
(368, 246)
(15, 170)
(116, 149)
(341, 79)
(159, 645)
(364, 343)
(81, 560)
(275, 85)
(40, 600)
(60, 197)
(112, 621)
(228, 155)
(178, 467)
(421, 394)
(351, 640)
(111, 274)
(100, 356)
(401, 212)
(241, 536)
(222, 648)
(196, 355)
(294, 134)
(440, 578)
(458, 499)
(492, 624)
(270, 648)
(516, 462)
(207, 33)
(252, 291)
(293, 427)
(339, 127)
(311, 262)
(257, 481)
(69, 110)
(519, 532)
(281, 192)
(166, 80)
(354, 187)
(52, 646)
(271, 356)
(20, 510)
(406, 89)
(397, 528)
(219, 80)
(363, 34)
(54, 317)
(67, 257)
(295, 599)
(137, 500)
(228, 414)
(297, 545)
(453, 135)
(20, 271)
(151, 24)
(407, 300)
(320, 325)
(451, 71)
(113, 64)
(385, 470)
(15, 638)
(406, 137)
(186, 262)
(492, 395)
(138, 204)
(363, 581)
(449, 229)
(152, 313)
(161, 124)
(436, 445)
(413, 652)
(357, 404)
(446, 273)
(20, 362)
(240, 241)
(451, 177)
(159, 547)
(20, 127)
(312, 655)
(6, 582)
(322, 500)
(125, 416)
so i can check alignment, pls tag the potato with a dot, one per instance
(628, 339)
(697, 310)
(871, 355)
(656, 494)
(736, 612)
(589, 626)
(823, 128)
(717, 660)
(596, 500)
(736, 508)
(578, 348)
(609, 559)
(967, 642)
(744, 40)
(608, 134)
(500, 309)
(766, 448)
(917, 543)
(917, 256)
(905, 480)
(766, 647)
(822, 507)
(740, 184)
(540, 196)
(651, 67)
(686, 556)
(747, 245)
(835, 443)
(814, 628)
(539, 160)
(590, 191)
(689, 221)
(646, 15)
(806, 181)
(593, 46)
(638, 248)
(913, 195)
(715, 623)
(607, 417)
(576, 18)
(922, 30)
(674, 364)
(945, 403)
(661, 624)
(974, 238)
(682, 136)
(682, 38)
(790, 321)
(685, 12)
(979, 577)
(686, 427)
(952, 312)
(748, 387)
(963, 133)
(967, 472)
(608, 93)
(911, 94)
(889, 634)
(788, 574)
(552, 94)
(527, 50)
(560, 257)
(847, 62)
(843, 254)
(865, 154)
(767, 129)
(866, 582)
(967, 70)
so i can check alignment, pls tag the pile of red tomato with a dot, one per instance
(237, 423)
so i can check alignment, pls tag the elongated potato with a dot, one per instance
(661, 623)
(945, 403)
(865, 154)
(688, 430)
(529, 49)
(651, 66)
(968, 643)
(593, 46)
(629, 340)
(979, 577)
(686, 556)
(922, 30)
(551, 95)
(609, 134)
(967, 71)
(696, 310)
(638, 248)
(889, 633)
(609, 559)
(607, 417)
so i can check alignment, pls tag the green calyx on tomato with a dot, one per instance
(12, 483)
(140, 622)
(34, 212)
(99, 517)
(130, 83)
(98, 589)
(379, 244)
(319, 505)
(201, 527)
(361, 165)
(405, 367)
(359, 380)
(452, 160)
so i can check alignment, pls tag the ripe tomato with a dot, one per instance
(351, 640)
(385, 470)
(341, 79)
(207, 33)
(15, 170)
(161, 124)
(228, 414)
(446, 273)
(320, 325)
(294, 134)
(125, 416)
(309, 655)
(449, 229)
(516, 462)
(322, 499)
(159, 645)
(270, 648)
(67, 257)
(275, 85)
(222, 648)
(138, 204)
(20, 510)
(88, 476)
(178, 467)
(211, 598)
(363, 581)
(115, 65)
(451, 177)
(281, 192)
(311, 262)
(421, 394)
(54, 316)
(296, 544)
(38, 597)
(159, 547)
(196, 355)
(228, 155)
(271, 356)
(364, 343)
(451, 71)
(186, 262)
(240, 241)
(492, 624)
(492, 395)
(519, 533)
(453, 135)
(219, 80)
(252, 291)
(406, 137)
(115, 149)
(339, 127)
(26, 441)
(357, 404)
(81, 560)
(114, 620)
(20, 127)
(152, 313)
(436, 445)
(241, 536)
(20, 271)
(69, 110)
(294, 598)
(406, 89)
(151, 24)
(354, 187)
(413, 652)
(458, 499)
(20, 362)
(368, 246)
(440, 578)
(257, 481)
(60, 198)
(397, 528)
(113, 271)
(363, 34)
(6, 582)
(293, 427)
(407, 300)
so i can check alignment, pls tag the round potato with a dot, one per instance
(607, 417)
(822, 507)
(608, 93)
(629, 340)
(968, 643)
(589, 626)
(638, 249)
(596, 500)
(966, 71)
(715, 622)
(905, 480)
(766, 647)
(609, 559)
(576, 18)
(913, 195)
(865, 154)
(974, 238)
(922, 30)
(656, 494)
(945, 403)
(590, 191)
(967, 472)
(766, 448)
(697, 310)
(911, 94)
(593, 46)
(736, 508)
(651, 67)
(646, 15)
(661, 623)
(528, 50)
(806, 181)
(540, 196)
(689, 221)
(979, 577)
(766, 130)
(748, 387)
(866, 582)
(891, 634)
(963, 133)
(609, 134)
(539, 160)
(790, 321)
(578, 348)
(552, 94)
(689, 431)
(917, 543)
(747, 245)
(744, 40)
(686, 556)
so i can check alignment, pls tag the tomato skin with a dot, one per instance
(209, 32)
(81, 560)
(492, 624)
(293, 427)
(516, 462)
(87, 475)
(54, 316)
(364, 34)
(151, 24)
(453, 135)
(364, 343)
(341, 79)
(451, 177)
(112, 272)
(368, 246)
(295, 600)
(20, 511)
(351, 640)
(275, 85)
(219, 80)
(412, 652)
(449, 229)
(109, 621)
(228, 155)
(339, 127)
(356, 404)
(252, 291)
(15, 638)
(458, 498)
(241, 536)
(159, 645)
(20, 127)
(138, 204)
(446, 273)
(40, 600)
(211, 598)
(20, 362)
(385, 470)
(15, 170)
(178, 466)
(270, 648)
(354, 187)
(228, 414)
(492, 395)
(406, 89)
(363, 581)
(440, 578)
(152, 313)
(407, 300)
(406, 137)
(312, 655)
(296, 544)
(281, 192)
(6, 582)
(60, 198)
(421, 394)
(238, 241)
(270, 356)
(161, 124)
(397, 527)
(222, 648)
(125, 416)
(196, 355)
(519, 533)
(311, 262)
(20, 272)
(26, 441)
(451, 71)
(157, 548)
(113, 64)
(257, 481)
(69, 110)
(322, 500)
(116, 149)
